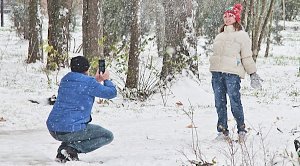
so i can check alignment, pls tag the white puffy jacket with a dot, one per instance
(232, 53)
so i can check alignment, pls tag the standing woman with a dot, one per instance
(231, 59)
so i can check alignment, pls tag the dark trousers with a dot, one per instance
(84, 141)
(224, 83)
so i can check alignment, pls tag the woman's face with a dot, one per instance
(229, 18)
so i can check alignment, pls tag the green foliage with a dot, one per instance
(54, 59)
(117, 19)
(292, 9)
(277, 37)
(294, 93)
(148, 72)
(120, 58)
(94, 65)
(51, 65)
(181, 60)
(285, 61)
(101, 41)
(121, 62)
(50, 74)
(281, 61)
(148, 79)
(208, 23)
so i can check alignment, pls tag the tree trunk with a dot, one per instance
(160, 27)
(92, 29)
(283, 16)
(269, 35)
(25, 21)
(245, 13)
(176, 56)
(267, 19)
(250, 16)
(34, 49)
(2, 16)
(258, 27)
(58, 32)
(170, 38)
(133, 62)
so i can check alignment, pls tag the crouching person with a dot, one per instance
(69, 120)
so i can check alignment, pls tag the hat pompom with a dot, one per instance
(238, 7)
(236, 10)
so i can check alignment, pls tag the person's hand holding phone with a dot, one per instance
(102, 76)
(101, 63)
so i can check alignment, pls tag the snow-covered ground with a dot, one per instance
(149, 133)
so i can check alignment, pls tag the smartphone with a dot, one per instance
(101, 65)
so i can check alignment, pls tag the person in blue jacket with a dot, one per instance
(69, 120)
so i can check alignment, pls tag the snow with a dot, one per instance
(149, 133)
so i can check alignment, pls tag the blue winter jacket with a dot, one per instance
(76, 94)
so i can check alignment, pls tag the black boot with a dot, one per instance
(66, 153)
(70, 153)
(297, 147)
(61, 158)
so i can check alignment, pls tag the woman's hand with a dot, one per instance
(255, 81)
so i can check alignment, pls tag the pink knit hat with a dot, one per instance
(236, 11)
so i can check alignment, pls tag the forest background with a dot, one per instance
(157, 53)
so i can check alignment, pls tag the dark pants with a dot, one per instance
(84, 141)
(223, 84)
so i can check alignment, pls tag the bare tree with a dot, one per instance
(249, 14)
(133, 62)
(269, 35)
(260, 11)
(35, 35)
(268, 20)
(92, 29)
(257, 15)
(259, 31)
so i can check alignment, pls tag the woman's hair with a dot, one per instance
(237, 26)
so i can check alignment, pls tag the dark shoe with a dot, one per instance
(225, 131)
(61, 158)
(70, 153)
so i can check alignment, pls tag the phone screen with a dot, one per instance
(101, 65)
